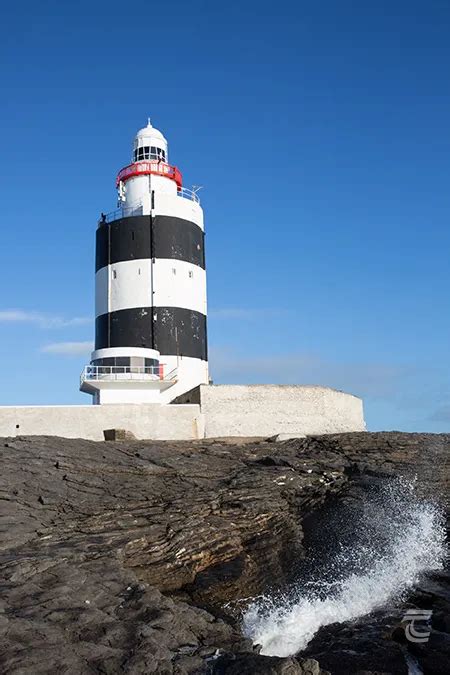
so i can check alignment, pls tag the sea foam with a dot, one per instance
(397, 540)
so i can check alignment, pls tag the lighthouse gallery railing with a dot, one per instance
(137, 209)
(140, 373)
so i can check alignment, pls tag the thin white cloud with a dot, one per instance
(68, 348)
(41, 319)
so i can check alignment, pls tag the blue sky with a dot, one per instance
(320, 132)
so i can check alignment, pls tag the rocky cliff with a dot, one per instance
(130, 556)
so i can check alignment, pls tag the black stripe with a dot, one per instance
(130, 239)
(170, 330)
(140, 237)
(180, 331)
(178, 239)
(102, 247)
(125, 328)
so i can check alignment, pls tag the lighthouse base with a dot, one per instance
(127, 392)
(161, 383)
(127, 384)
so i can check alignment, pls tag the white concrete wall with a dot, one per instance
(151, 421)
(140, 186)
(224, 410)
(267, 410)
(191, 374)
(128, 394)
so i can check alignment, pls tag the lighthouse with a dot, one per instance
(150, 285)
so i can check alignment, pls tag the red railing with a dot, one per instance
(147, 167)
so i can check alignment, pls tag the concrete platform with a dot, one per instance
(272, 409)
(208, 411)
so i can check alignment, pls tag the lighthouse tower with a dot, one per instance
(150, 285)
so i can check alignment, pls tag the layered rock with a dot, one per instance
(122, 556)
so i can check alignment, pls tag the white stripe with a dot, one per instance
(177, 283)
(128, 284)
(178, 207)
(101, 291)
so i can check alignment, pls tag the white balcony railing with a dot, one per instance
(122, 212)
(137, 209)
(186, 193)
(127, 373)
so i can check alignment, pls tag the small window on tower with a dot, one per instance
(114, 274)
(191, 274)
(174, 271)
(141, 153)
(146, 152)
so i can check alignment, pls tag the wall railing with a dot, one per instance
(126, 373)
(148, 167)
(137, 209)
(122, 212)
(189, 194)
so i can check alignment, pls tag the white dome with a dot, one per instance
(150, 132)
(149, 143)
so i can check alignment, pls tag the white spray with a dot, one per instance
(408, 540)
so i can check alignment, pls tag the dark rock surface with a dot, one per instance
(121, 556)
(249, 664)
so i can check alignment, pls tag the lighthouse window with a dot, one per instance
(151, 363)
(191, 274)
(122, 361)
(149, 152)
